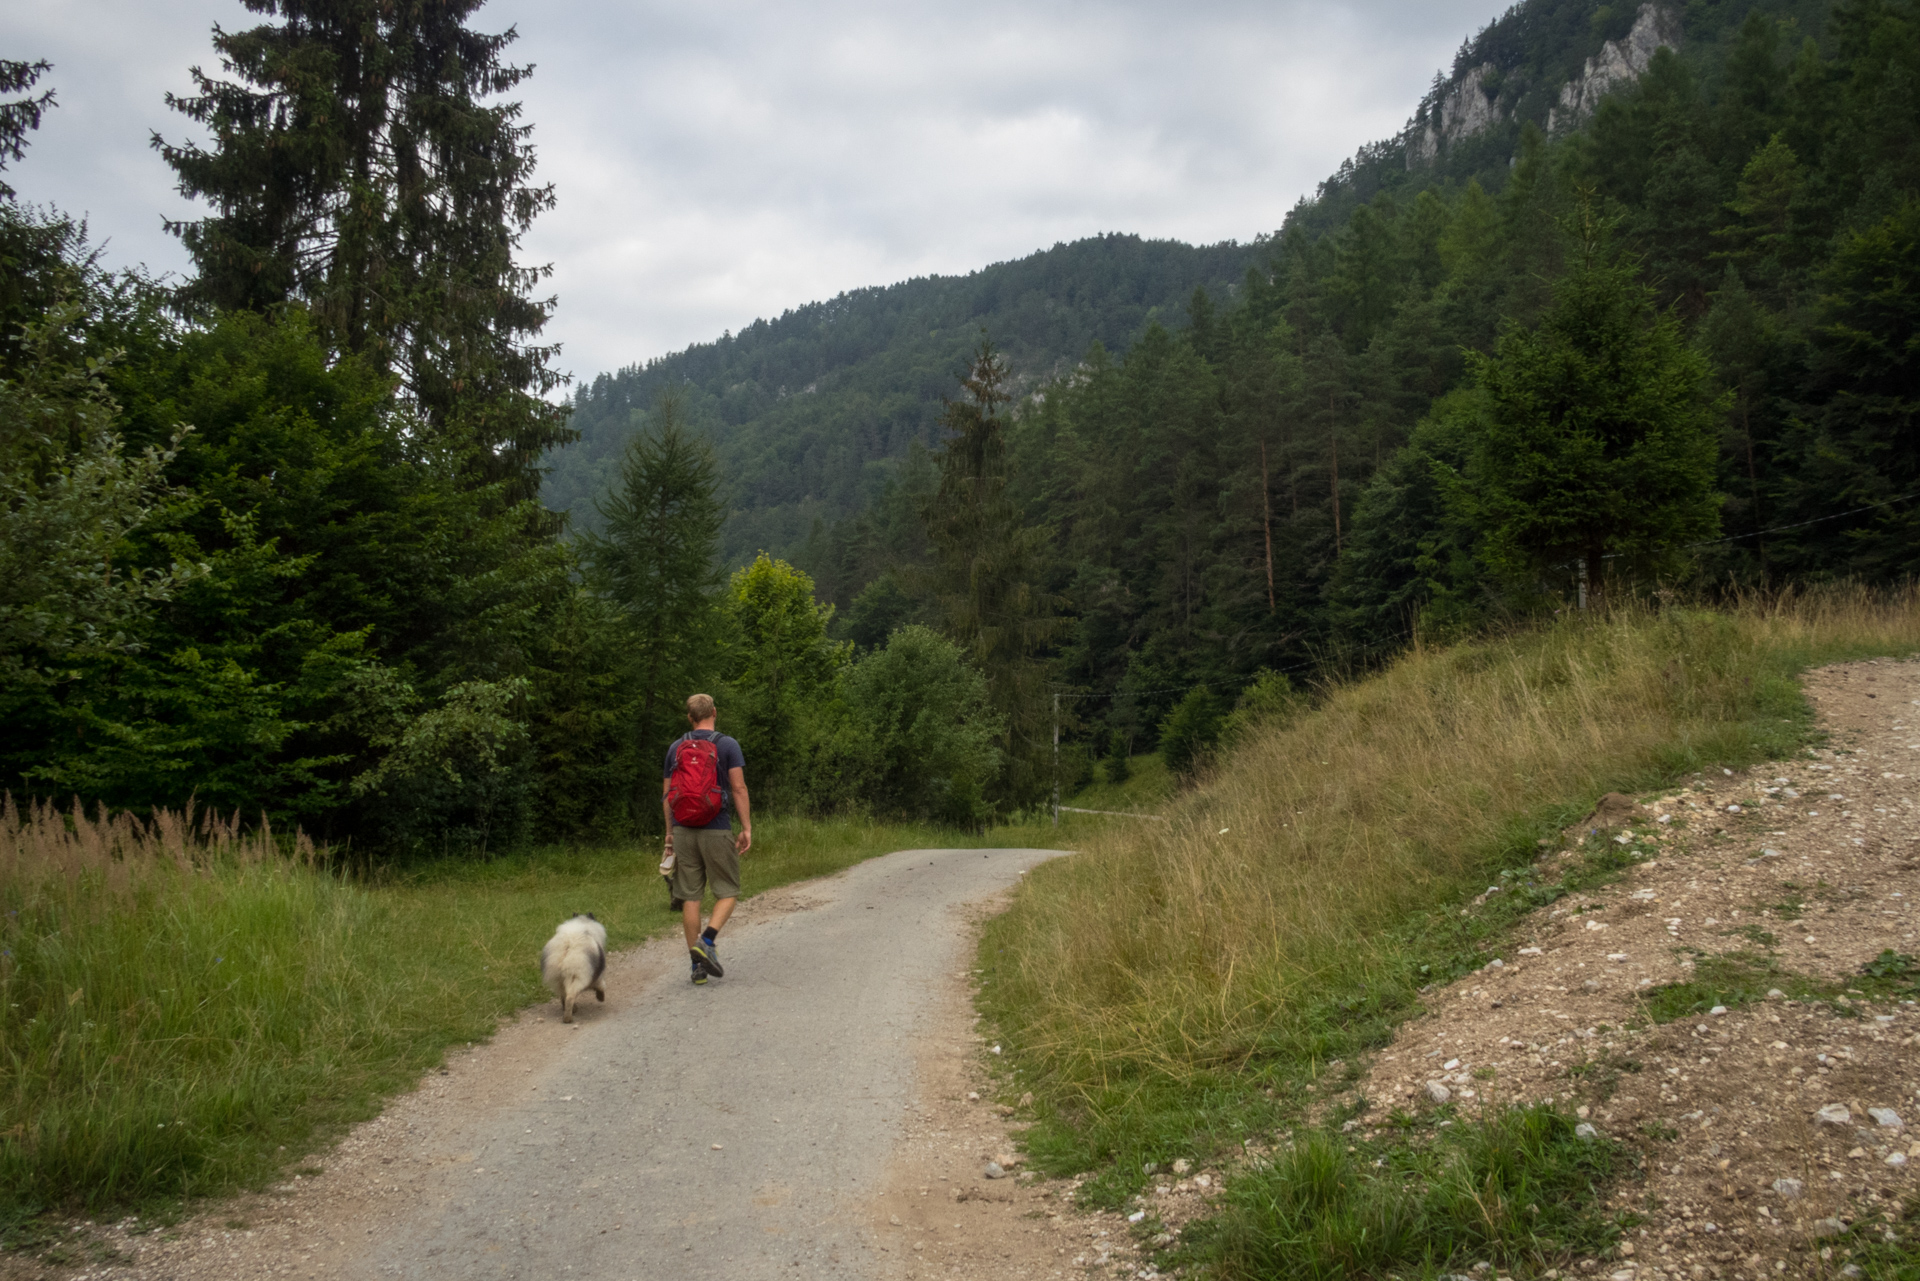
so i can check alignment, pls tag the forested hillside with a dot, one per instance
(807, 412)
(1671, 346)
(271, 536)
(1544, 63)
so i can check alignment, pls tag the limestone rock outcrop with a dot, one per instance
(1618, 62)
(1464, 109)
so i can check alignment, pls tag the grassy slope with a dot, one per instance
(1175, 990)
(171, 1039)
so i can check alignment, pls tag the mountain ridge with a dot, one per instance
(809, 411)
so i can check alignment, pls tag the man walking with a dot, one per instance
(705, 779)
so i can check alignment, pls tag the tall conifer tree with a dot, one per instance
(987, 570)
(356, 166)
(1596, 443)
(655, 559)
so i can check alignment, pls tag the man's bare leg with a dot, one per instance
(690, 918)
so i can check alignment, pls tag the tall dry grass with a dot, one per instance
(1275, 904)
(95, 862)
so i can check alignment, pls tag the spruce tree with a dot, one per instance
(20, 116)
(986, 576)
(357, 167)
(1596, 440)
(655, 559)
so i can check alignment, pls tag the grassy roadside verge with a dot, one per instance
(181, 1017)
(1181, 990)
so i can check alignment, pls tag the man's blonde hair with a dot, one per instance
(699, 707)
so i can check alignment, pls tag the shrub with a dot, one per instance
(1190, 731)
(928, 734)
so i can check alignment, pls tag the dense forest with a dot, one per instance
(1669, 349)
(1628, 310)
(811, 413)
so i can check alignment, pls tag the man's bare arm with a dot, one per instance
(737, 778)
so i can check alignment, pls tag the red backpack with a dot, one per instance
(693, 792)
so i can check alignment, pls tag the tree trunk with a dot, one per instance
(1593, 573)
(1333, 444)
(1753, 478)
(1266, 516)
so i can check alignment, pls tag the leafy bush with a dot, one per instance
(1269, 700)
(1190, 731)
(1119, 758)
(925, 730)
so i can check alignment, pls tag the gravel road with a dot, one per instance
(732, 1130)
(743, 1129)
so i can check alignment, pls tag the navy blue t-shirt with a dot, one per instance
(730, 759)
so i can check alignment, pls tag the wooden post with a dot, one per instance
(1056, 760)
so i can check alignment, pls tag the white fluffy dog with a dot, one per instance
(574, 961)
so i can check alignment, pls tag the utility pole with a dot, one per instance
(1056, 760)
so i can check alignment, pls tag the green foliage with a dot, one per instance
(654, 559)
(20, 116)
(1516, 1188)
(1269, 699)
(1191, 730)
(317, 575)
(358, 168)
(1595, 440)
(71, 495)
(921, 718)
(985, 571)
(815, 412)
(782, 675)
(1119, 760)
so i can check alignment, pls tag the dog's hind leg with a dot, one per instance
(566, 1006)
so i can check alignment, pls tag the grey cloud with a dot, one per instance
(720, 162)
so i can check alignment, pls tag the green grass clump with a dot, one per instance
(1519, 1187)
(1885, 1247)
(186, 1011)
(1735, 979)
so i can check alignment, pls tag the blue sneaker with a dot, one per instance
(709, 953)
(699, 971)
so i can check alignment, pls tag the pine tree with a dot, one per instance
(1596, 440)
(987, 571)
(356, 168)
(21, 116)
(655, 559)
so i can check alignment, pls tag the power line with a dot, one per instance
(1818, 520)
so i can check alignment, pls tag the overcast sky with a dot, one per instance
(723, 161)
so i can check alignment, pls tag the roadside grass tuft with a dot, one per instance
(1177, 989)
(1884, 1247)
(179, 1003)
(1517, 1188)
(1736, 979)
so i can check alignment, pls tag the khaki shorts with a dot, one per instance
(703, 857)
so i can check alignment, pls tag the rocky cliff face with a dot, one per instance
(1471, 103)
(1618, 62)
(1464, 109)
